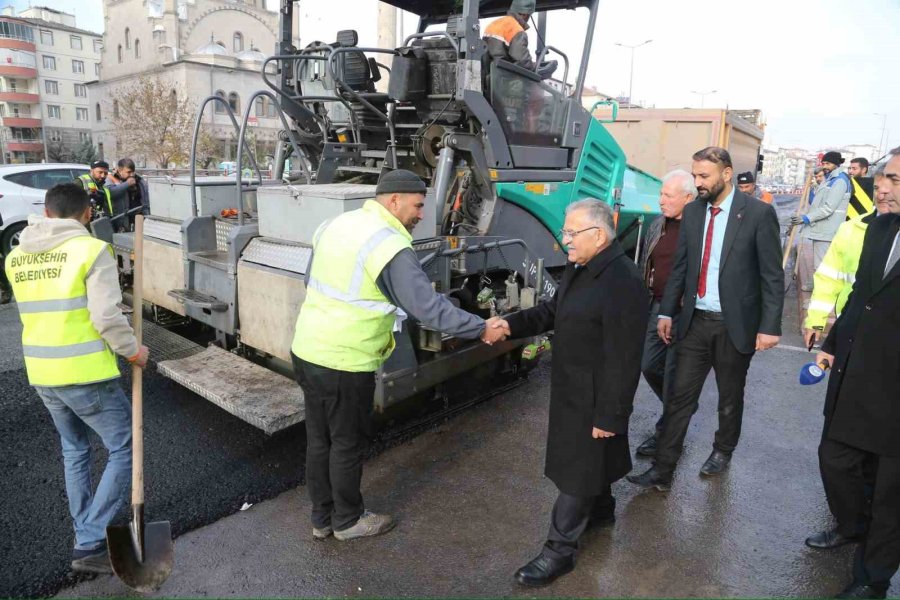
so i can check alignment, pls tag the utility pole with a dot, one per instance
(387, 38)
(881, 140)
(632, 47)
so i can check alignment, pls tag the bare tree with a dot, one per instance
(152, 120)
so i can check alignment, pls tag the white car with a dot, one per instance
(22, 189)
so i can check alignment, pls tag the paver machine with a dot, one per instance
(503, 152)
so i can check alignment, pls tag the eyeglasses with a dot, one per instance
(568, 233)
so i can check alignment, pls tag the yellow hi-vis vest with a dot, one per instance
(860, 203)
(91, 187)
(346, 323)
(836, 274)
(60, 344)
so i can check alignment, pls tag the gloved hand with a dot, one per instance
(796, 220)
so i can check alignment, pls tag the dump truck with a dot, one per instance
(657, 140)
(503, 153)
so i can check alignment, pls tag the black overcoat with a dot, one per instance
(862, 406)
(599, 314)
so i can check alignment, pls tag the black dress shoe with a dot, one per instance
(826, 540)
(857, 590)
(544, 570)
(652, 478)
(648, 446)
(716, 463)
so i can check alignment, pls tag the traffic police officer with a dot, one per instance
(94, 183)
(66, 285)
(363, 280)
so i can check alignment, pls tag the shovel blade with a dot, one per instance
(145, 575)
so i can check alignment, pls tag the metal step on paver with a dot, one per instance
(164, 344)
(250, 392)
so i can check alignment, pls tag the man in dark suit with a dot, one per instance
(599, 315)
(728, 286)
(862, 408)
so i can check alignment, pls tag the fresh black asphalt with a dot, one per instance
(201, 465)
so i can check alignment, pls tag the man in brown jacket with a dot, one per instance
(658, 362)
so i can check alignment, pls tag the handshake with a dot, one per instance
(495, 330)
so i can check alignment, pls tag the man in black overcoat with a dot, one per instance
(599, 314)
(862, 407)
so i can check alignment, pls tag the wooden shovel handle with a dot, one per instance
(137, 373)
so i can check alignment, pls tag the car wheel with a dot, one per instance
(10, 238)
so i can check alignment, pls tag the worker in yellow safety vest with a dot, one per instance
(834, 278)
(363, 280)
(861, 189)
(67, 289)
(94, 183)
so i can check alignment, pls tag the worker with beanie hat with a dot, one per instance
(747, 184)
(363, 280)
(821, 222)
(506, 39)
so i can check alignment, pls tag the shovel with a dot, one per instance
(141, 553)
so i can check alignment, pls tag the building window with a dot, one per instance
(75, 42)
(238, 42)
(54, 112)
(55, 135)
(270, 109)
(49, 63)
(97, 69)
(80, 91)
(116, 109)
(260, 107)
(16, 31)
(97, 113)
(128, 38)
(46, 37)
(120, 53)
(78, 66)
(137, 48)
(81, 114)
(220, 108)
(98, 46)
(51, 87)
(84, 136)
(234, 101)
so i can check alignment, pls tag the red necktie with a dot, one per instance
(707, 250)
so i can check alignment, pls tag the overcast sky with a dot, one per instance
(818, 69)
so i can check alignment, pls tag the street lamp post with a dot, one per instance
(703, 95)
(881, 141)
(631, 74)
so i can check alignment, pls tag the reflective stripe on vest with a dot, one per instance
(59, 342)
(504, 29)
(89, 181)
(860, 203)
(346, 322)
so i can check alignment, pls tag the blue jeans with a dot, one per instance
(104, 409)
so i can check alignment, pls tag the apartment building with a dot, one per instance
(45, 64)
